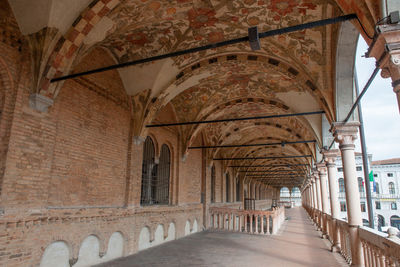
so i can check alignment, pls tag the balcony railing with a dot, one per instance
(378, 248)
(374, 195)
(248, 221)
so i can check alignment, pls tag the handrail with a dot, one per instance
(248, 221)
(378, 248)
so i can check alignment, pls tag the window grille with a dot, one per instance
(213, 184)
(163, 175)
(341, 185)
(392, 191)
(149, 170)
(228, 188)
(155, 177)
(377, 190)
(237, 189)
(360, 185)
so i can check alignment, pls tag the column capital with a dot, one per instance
(330, 156)
(321, 167)
(386, 50)
(345, 133)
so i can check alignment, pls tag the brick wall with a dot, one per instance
(75, 171)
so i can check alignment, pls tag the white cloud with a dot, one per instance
(380, 110)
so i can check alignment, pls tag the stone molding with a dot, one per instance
(345, 133)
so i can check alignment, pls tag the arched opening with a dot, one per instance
(376, 188)
(237, 189)
(360, 185)
(341, 185)
(149, 173)
(56, 254)
(163, 175)
(213, 184)
(395, 221)
(381, 222)
(392, 190)
(284, 193)
(228, 187)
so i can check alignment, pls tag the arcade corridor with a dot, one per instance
(296, 237)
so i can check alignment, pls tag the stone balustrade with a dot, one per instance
(249, 221)
(379, 249)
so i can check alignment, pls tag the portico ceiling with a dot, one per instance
(291, 73)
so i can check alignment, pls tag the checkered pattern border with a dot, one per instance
(69, 44)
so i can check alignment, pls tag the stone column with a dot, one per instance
(318, 190)
(315, 200)
(330, 158)
(314, 193)
(386, 50)
(345, 134)
(324, 196)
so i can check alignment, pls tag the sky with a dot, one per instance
(380, 110)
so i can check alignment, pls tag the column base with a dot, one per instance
(335, 248)
(324, 236)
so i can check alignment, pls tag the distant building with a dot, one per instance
(385, 191)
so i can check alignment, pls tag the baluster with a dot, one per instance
(229, 222)
(382, 259)
(262, 224)
(364, 247)
(251, 223)
(256, 223)
(370, 258)
(376, 260)
(234, 222)
(268, 232)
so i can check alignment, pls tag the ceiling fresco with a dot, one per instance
(233, 81)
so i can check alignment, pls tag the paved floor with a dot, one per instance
(297, 244)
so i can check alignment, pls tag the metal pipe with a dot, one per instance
(364, 156)
(275, 157)
(211, 46)
(271, 165)
(367, 85)
(250, 145)
(237, 119)
(277, 171)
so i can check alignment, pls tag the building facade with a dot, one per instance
(385, 191)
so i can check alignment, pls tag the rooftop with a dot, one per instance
(386, 161)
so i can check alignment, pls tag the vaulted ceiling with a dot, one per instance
(291, 73)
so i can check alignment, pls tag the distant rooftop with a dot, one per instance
(386, 161)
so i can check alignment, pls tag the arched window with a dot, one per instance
(228, 188)
(377, 190)
(395, 221)
(237, 189)
(149, 173)
(341, 185)
(381, 222)
(212, 184)
(392, 191)
(360, 185)
(162, 186)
